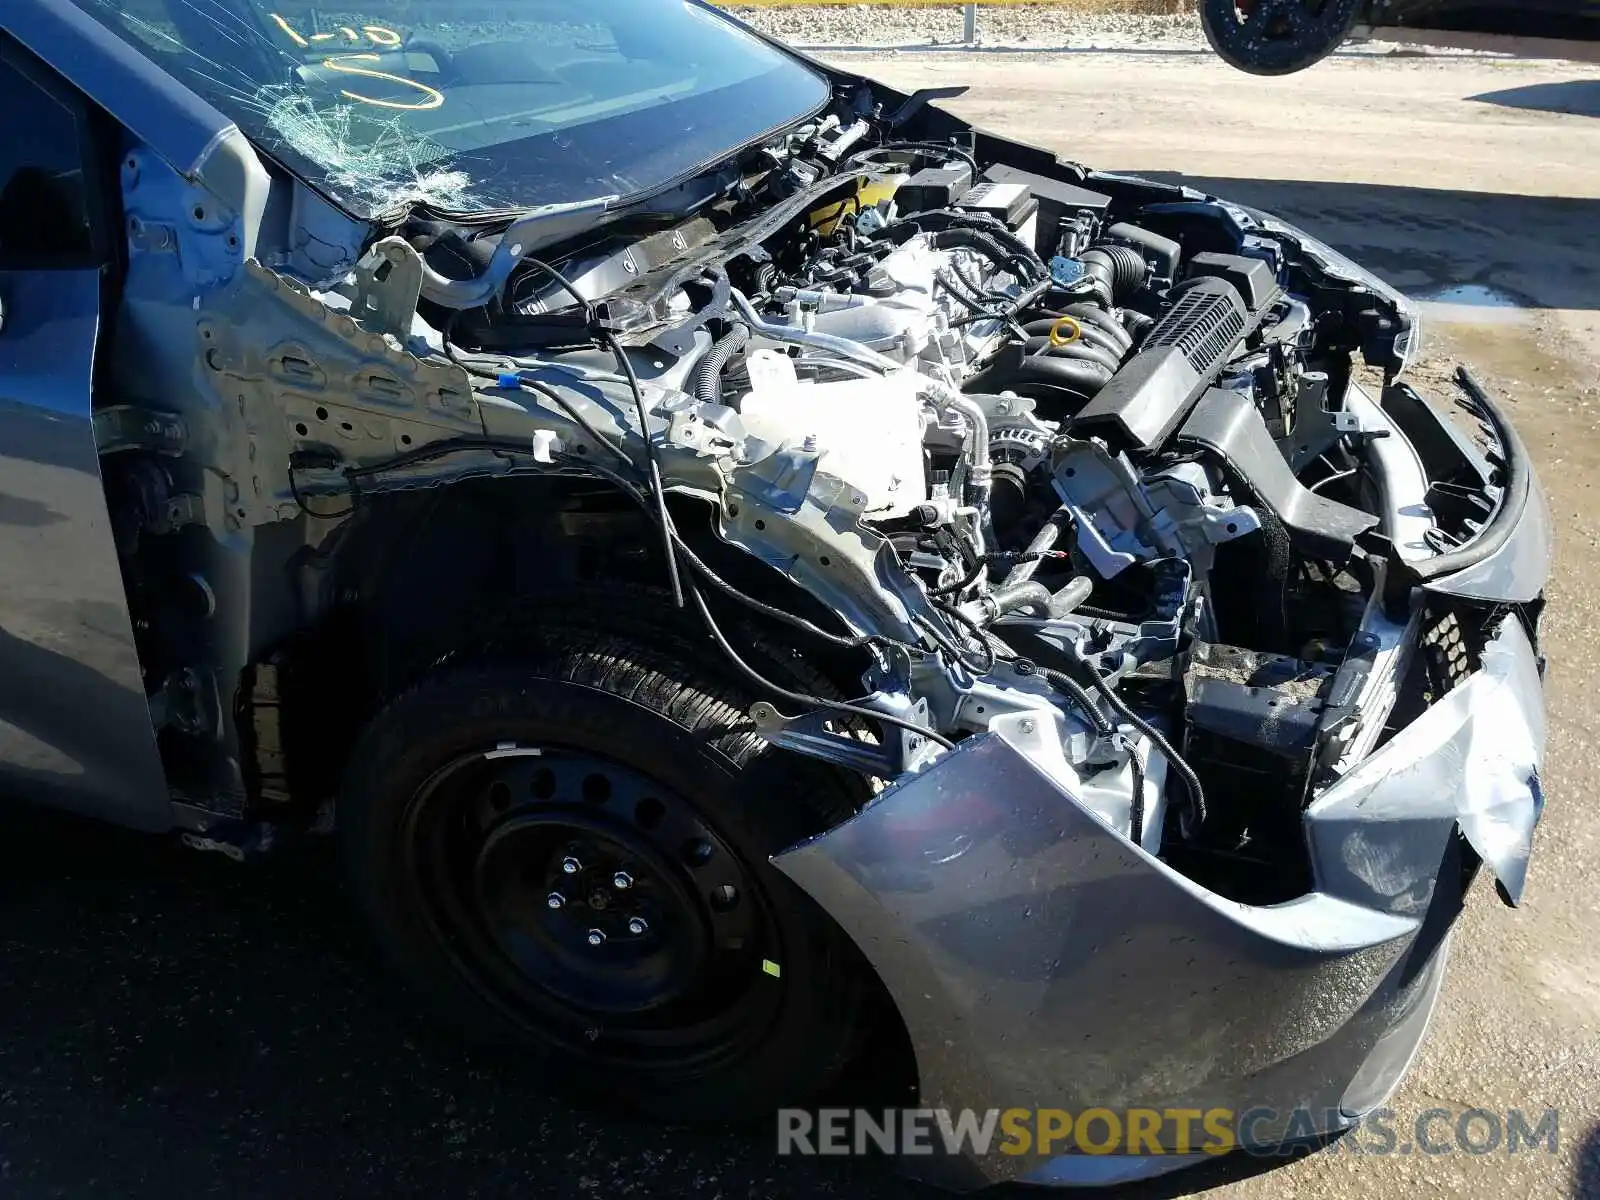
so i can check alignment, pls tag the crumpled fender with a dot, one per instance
(1471, 762)
(1039, 959)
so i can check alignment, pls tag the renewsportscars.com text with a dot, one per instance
(1150, 1131)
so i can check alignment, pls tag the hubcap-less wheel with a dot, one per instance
(570, 848)
(1276, 37)
(579, 888)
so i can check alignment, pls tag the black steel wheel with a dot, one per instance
(573, 851)
(1276, 37)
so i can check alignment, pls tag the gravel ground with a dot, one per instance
(1044, 27)
(870, 25)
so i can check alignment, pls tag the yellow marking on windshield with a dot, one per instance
(289, 29)
(432, 98)
(378, 35)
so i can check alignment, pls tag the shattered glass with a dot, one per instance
(474, 105)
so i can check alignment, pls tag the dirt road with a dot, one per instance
(173, 1025)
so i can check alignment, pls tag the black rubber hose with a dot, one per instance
(1137, 324)
(985, 243)
(1121, 269)
(707, 382)
(1083, 351)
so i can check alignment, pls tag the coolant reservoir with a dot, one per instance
(867, 432)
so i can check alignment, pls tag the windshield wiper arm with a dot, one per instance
(536, 227)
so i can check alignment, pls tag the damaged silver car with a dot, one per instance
(752, 567)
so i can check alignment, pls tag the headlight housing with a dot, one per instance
(1408, 341)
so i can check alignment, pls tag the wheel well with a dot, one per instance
(416, 576)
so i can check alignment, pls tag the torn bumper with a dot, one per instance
(1040, 960)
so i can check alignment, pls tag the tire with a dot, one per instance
(1279, 37)
(450, 845)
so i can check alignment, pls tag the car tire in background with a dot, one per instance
(1276, 37)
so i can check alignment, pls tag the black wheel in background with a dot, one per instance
(1276, 37)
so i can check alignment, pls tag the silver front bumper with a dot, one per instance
(1039, 959)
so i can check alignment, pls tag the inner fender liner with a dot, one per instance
(1228, 423)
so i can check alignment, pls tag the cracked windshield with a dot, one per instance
(474, 107)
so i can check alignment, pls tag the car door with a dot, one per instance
(75, 727)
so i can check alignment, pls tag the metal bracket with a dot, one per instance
(807, 734)
(128, 427)
(388, 285)
(184, 509)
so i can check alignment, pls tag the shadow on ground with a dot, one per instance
(1543, 250)
(1586, 1178)
(1580, 97)
(176, 1024)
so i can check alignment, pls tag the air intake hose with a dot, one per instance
(1117, 271)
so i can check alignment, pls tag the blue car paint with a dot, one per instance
(74, 725)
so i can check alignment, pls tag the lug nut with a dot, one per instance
(570, 865)
(622, 881)
(636, 926)
(596, 937)
(556, 900)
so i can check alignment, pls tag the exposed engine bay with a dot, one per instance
(1071, 458)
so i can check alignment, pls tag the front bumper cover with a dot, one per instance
(1038, 959)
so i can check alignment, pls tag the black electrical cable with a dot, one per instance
(1175, 761)
(961, 618)
(950, 149)
(1003, 556)
(766, 684)
(657, 490)
(545, 390)
(1013, 306)
(300, 501)
(608, 340)
(961, 585)
(566, 284)
(675, 542)
(965, 293)
(701, 568)
(566, 406)
(1136, 805)
(1079, 695)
